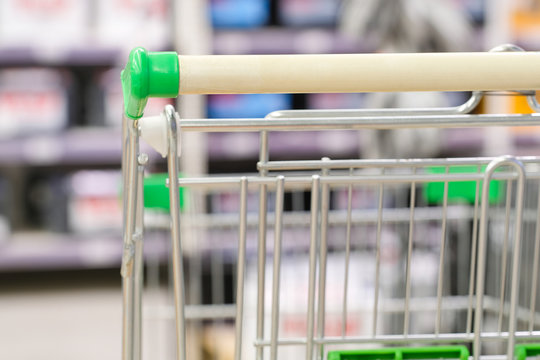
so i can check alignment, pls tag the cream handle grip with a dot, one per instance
(239, 74)
(165, 74)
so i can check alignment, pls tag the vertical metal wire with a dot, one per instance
(323, 252)
(441, 257)
(504, 253)
(130, 167)
(276, 267)
(347, 260)
(377, 259)
(480, 278)
(472, 268)
(178, 264)
(406, 314)
(138, 265)
(534, 285)
(512, 322)
(315, 186)
(240, 283)
(261, 246)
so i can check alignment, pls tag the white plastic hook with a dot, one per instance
(153, 130)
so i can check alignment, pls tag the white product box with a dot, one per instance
(47, 25)
(125, 24)
(31, 101)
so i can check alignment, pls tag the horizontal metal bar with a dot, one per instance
(355, 123)
(464, 108)
(402, 339)
(304, 181)
(336, 217)
(384, 163)
(381, 339)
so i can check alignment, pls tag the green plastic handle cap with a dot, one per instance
(149, 74)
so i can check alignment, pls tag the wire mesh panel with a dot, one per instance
(376, 253)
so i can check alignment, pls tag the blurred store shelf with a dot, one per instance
(275, 40)
(75, 147)
(35, 251)
(31, 56)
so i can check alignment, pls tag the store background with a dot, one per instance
(60, 110)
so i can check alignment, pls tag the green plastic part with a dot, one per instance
(521, 352)
(148, 74)
(460, 191)
(156, 193)
(429, 352)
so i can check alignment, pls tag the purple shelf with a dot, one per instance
(49, 251)
(83, 146)
(279, 41)
(28, 56)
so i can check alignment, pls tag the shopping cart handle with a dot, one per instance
(167, 74)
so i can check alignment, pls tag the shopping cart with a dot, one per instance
(440, 261)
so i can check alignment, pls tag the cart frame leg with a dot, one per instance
(132, 256)
(174, 196)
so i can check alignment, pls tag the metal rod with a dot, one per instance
(323, 251)
(534, 285)
(177, 259)
(400, 339)
(337, 180)
(472, 267)
(465, 108)
(367, 122)
(240, 277)
(138, 265)
(409, 258)
(482, 243)
(377, 259)
(261, 257)
(130, 167)
(312, 265)
(441, 257)
(504, 254)
(378, 163)
(276, 268)
(514, 291)
(347, 260)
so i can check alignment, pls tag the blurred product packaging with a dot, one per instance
(247, 105)
(33, 100)
(63, 25)
(118, 23)
(94, 203)
(239, 13)
(308, 12)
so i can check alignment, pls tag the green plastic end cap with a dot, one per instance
(148, 74)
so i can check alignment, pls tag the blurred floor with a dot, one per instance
(61, 324)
